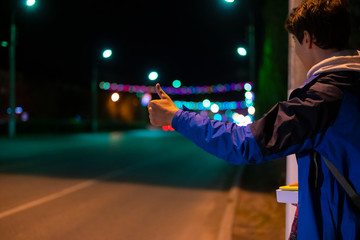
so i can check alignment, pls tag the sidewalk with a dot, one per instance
(258, 215)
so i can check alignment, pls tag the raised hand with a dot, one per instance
(162, 111)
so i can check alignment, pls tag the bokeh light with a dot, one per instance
(251, 110)
(30, 3)
(241, 51)
(218, 117)
(214, 108)
(107, 53)
(176, 83)
(247, 87)
(206, 103)
(18, 110)
(146, 98)
(115, 97)
(153, 76)
(249, 95)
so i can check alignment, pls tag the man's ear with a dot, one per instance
(308, 39)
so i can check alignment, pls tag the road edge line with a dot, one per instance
(227, 221)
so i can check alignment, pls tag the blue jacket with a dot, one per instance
(321, 118)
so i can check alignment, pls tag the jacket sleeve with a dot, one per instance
(289, 127)
(224, 140)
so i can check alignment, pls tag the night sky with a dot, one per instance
(194, 41)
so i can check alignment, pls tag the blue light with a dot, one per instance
(18, 110)
(146, 98)
(218, 117)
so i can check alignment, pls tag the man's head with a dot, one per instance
(326, 21)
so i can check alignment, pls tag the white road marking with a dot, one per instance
(61, 193)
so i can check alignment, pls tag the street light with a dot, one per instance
(153, 76)
(106, 54)
(242, 51)
(12, 70)
(30, 3)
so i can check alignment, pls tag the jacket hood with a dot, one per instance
(348, 60)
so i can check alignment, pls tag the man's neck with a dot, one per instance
(319, 54)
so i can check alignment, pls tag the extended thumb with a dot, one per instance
(160, 92)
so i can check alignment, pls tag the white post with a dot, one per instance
(296, 77)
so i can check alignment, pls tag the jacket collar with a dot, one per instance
(347, 60)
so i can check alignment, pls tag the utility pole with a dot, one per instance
(12, 47)
(94, 102)
(252, 54)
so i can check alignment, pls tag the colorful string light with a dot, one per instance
(205, 107)
(222, 105)
(220, 88)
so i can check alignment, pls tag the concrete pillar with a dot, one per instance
(297, 75)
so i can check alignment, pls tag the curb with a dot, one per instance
(227, 221)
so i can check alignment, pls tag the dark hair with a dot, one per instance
(327, 21)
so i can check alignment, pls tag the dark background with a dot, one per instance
(59, 43)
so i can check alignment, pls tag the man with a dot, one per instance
(320, 119)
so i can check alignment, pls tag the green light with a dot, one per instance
(106, 85)
(176, 83)
(229, 1)
(153, 76)
(4, 44)
(30, 3)
(241, 51)
(107, 53)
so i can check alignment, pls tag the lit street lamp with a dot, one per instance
(153, 76)
(30, 3)
(242, 51)
(107, 53)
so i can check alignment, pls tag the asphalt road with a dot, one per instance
(133, 185)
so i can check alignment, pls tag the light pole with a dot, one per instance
(94, 85)
(12, 69)
(252, 60)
